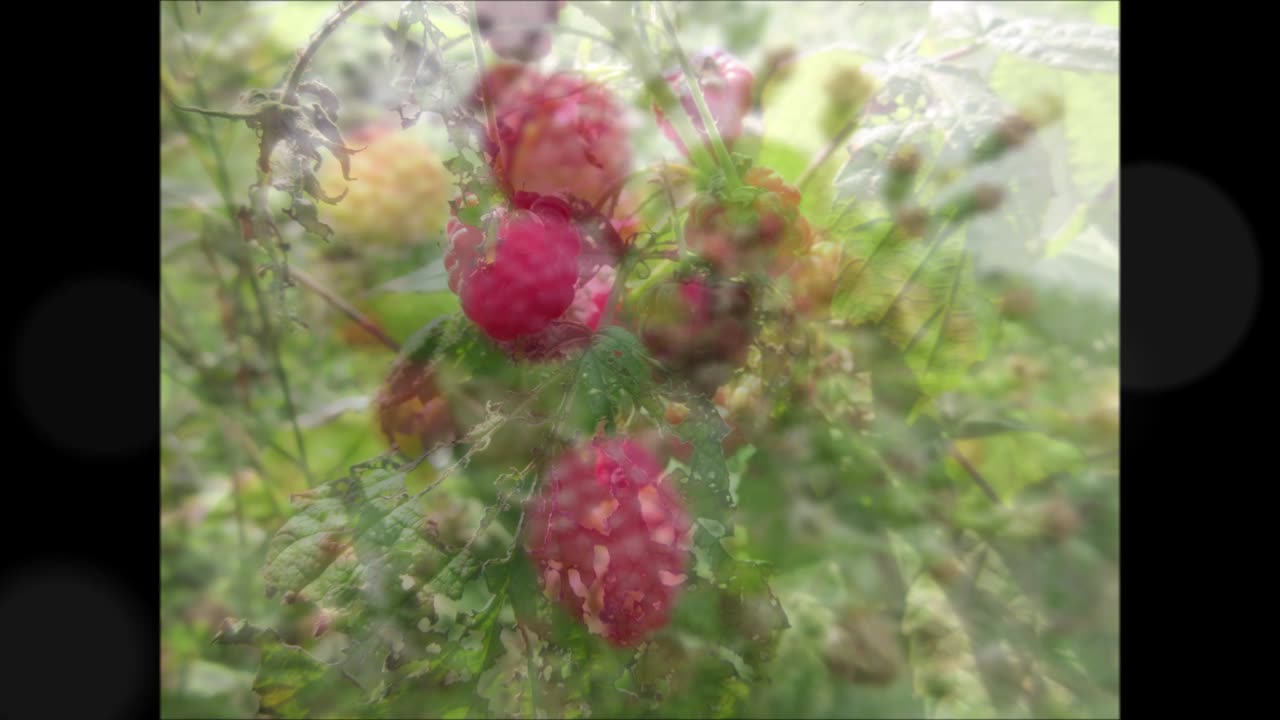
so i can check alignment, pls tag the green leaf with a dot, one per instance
(614, 370)
(923, 295)
(1072, 46)
(959, 330)
(403, 314)
(1092, 125)
(1011, 462)
(432, 339)
(290, 681)
(706, 485)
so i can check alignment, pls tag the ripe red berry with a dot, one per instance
(517, 30)
(572, 330)
(525, 278)
(589, 302)
(557, 134)
(609, 538)
(541, 287)
(766, 234)
(726, 85)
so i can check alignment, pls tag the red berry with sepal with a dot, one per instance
(578, 234)
(525, 277)
(726, 85)
(609, 537)
(699, 327)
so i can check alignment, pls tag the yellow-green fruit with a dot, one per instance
(399, 193)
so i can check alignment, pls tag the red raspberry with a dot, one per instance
(557, 134)
(410, 410)
(517, 29)
(585, 238)
(609, 537)
(573, 329)
(767, 234)
(526, 278)
(699, 328)
(601, 242)
(588, 305)
(726, 85)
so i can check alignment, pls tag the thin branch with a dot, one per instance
(295, 75)
(821, 158)
(272, 341)
(304, 278)
(490, 121)
(695, 89)
(980, 481)
(942, 233)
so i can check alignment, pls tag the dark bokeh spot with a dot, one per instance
(1192, 280)
(75, 355)
(73, 646)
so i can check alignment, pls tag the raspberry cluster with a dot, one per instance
(610, 539)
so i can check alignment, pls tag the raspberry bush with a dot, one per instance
(752, 375)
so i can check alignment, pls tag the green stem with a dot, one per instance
(619, 283)
(695, 89)
(641, 55)
(664, 270)
(272, 341)
(840, 137)
(676, 226)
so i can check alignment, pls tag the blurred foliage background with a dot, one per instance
(266, 391)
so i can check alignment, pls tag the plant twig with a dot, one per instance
(304, 278)
(490, 121)
(304, 58)
(980, 481)
(272, 342)
(821, 158)
(695, 89)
